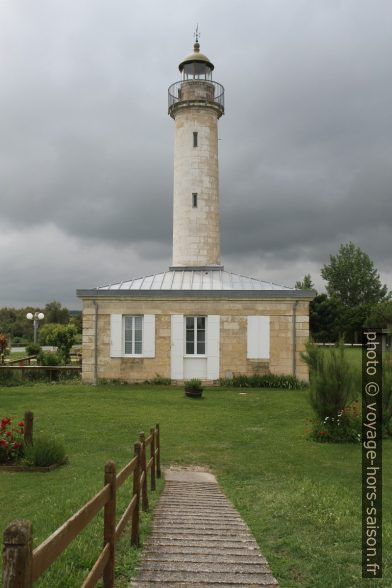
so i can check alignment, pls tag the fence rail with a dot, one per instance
(23, 565)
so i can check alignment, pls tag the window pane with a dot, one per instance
(201, 336)
(189, 322)
(138, 347)
(128, 322)
(128, 347)
(190, 347)
(201, 322)
(201, 347)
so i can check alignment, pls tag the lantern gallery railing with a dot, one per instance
(200, 90)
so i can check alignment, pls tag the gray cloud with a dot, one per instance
(86, 144)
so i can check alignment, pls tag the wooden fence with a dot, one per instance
(52, 371)
(23, 565)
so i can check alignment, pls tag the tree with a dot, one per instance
(380, 315)
(60, 336)
(326, 319)
(55, 313)
(306, 283)
(352, 277)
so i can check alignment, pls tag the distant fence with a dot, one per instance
(51, 371)
(23, 565)
(21, 360)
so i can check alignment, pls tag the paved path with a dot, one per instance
(199, 539)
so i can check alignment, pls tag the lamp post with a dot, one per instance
(36, 317)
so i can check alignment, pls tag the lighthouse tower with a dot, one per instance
(196, 103)
(194, 319)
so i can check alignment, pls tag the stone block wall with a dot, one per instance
(233, 335)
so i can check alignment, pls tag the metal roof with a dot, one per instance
(195, 280)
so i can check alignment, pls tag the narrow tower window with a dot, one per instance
(195, 139)
(194, 200)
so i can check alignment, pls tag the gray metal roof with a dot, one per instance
(195, 280)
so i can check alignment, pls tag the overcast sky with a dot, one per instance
(86, 145)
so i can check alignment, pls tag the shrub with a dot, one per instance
(11, 440)
(263, 381)
(332, 380)
(344, 428)
(45, 451)
(193, 384)
(33, 349)
(60, 336)
(159, 381)
(49, 358)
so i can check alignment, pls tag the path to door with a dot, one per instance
(199, 539)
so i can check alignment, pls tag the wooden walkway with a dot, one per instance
(199, 539)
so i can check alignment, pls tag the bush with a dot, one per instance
(60, 336)
(332, 380)
(33, 349)
(45, 451)
(193, 384)
(159, 381)
(345, 428)
(49, 358)
(263, 381)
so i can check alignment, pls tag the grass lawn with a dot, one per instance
(302, 500)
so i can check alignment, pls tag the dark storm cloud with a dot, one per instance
(86, 144)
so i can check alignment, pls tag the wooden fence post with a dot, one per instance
(110, 523)
(28, 428)
(17, 555)
(135, 540)
(158, 441)
(152, 455)
(144, 470)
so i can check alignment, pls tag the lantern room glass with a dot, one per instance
(196, 70)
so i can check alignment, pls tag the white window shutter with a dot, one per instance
(213, 353)
(177, 347)
(258, 337)
(116, 335)
(149, 335)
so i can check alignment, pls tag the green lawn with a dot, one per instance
(302, 500)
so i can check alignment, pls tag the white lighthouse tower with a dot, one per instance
(196, 103)
(194, 320)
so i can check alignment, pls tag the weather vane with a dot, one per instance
(196, 34)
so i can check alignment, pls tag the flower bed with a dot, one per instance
(11, 441)
(19, 453)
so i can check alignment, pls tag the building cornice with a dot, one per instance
(200, 294)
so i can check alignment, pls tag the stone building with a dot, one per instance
(194, 320)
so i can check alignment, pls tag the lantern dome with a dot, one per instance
(196, 65)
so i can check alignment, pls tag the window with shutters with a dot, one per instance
(195, 335)
(133, 335)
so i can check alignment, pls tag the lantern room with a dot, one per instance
(196, 66)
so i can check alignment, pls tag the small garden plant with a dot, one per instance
(193, 388)
(333, 384)
(16, 450)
